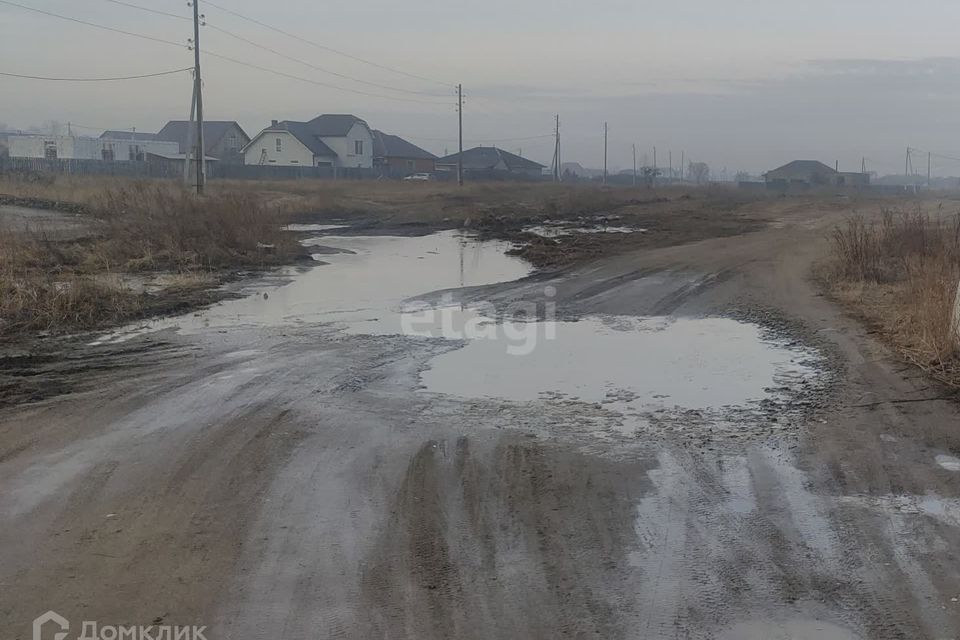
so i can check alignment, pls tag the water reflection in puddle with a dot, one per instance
(364, 283)
(627, 364)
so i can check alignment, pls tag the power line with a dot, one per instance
(91, 24)
(549, 135)
(323, 46)
(215, 55)
(271, 50)
(118, 78)
(316, 82)
(149, 10)
(936, 155)
(313, 66)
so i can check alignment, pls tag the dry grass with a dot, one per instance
(55, 286)
(901, 272)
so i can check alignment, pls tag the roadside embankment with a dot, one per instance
(899, 272)
(145, 248)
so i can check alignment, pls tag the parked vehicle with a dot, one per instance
(421, 177)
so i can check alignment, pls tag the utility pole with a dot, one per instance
(634, 164)
(188, 157)
(604, 153)
(906, 164)
(556, 154)
(460, 122)
(198, 99)
(653, 179)
(683, 166)
(559, 153)
(929, 161)
(671, 165)
(863, 165)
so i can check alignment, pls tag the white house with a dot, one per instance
(330, 140)
(31, 145)
(53, 147)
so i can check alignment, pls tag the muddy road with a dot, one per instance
(703, 448)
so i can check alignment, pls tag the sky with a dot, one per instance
(742, 85)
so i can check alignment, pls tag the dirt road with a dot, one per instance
(297, 481)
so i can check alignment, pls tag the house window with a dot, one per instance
(50, 150)
(279, 145)
(108, 152)
(358, 147)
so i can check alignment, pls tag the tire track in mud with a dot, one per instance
(504, 539)
(821, 556)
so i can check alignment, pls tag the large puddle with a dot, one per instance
(636, 367)
(639, 369)
(363, 285)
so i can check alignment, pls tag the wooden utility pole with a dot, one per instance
(460, 123)
(683, 166)
(198, 90)
(604, 153)
(929, 164)
(671, 166)
(634, 164)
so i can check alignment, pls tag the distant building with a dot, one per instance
(222, 139)
(396, 155)
(137, 136)
(812, 174)
(576, 170)
(330, 140)
(53, 147)
(492, 162)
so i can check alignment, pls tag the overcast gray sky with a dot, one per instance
(746, 84)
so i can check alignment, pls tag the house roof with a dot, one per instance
(303, 132)
(127, 135)
(213, 132)
(390, 146)
(804, 167)
(480, 158)
(331, 125)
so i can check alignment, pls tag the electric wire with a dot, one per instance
(115, 79)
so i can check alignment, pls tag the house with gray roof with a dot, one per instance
(397, 156)
(129, 134)
(222, 139)
(492, 162)
(329, 140)
(811, 173)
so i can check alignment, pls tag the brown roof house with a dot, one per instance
(395, 156)
(222, 139)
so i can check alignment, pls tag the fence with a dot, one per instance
(90, 167)
(173, 169)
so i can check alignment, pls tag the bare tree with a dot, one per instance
(699, 172)
(650, 175)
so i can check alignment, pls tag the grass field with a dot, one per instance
(900, 272)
